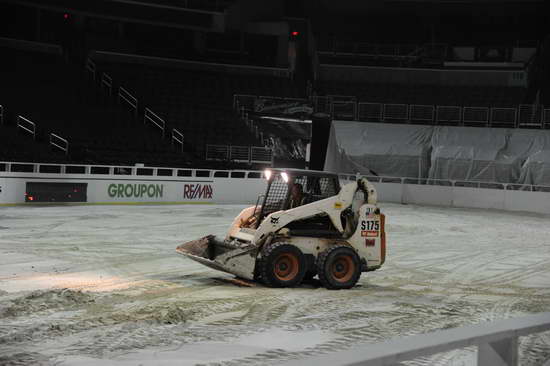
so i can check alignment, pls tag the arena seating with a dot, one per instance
(53, 94)
(59, 97)
(198, 104)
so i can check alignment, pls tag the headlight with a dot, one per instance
(267, 174)
(285, 177)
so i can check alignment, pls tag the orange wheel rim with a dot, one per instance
(343, 268)
(286, 267)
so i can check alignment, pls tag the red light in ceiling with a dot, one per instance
(294, 34)
(31, 198)
(66, 16)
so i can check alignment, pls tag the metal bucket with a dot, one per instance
(222, 256)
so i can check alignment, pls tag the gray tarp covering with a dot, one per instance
(438, 152)
(536, 170)
(522, 145)
(469, 153)
(388, 150)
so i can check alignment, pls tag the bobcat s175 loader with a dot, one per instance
(305, 225)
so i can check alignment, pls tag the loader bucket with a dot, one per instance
(216, 254)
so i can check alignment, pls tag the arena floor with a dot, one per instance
(87, 285)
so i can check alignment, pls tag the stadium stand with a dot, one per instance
(197, 103)
(162, 91)
(53, 94)
(90, 112)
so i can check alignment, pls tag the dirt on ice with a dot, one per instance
(93, 285)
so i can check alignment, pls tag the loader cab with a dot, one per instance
(283, 186)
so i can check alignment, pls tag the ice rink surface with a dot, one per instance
(87, 285)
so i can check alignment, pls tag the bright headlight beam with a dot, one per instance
(267, 174)
(285, 177)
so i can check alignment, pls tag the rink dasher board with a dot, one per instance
(464, 197)
(107, 190)
(113, 190)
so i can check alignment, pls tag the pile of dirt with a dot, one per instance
(42, 300)
(23, 359)
(171, 314)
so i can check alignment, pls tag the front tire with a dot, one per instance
(339, 267)
(282, 265)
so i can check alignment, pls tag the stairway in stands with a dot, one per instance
(199, 104)
(56, 96)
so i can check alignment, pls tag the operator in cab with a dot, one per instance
(297, 196)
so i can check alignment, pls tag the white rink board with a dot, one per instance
(117, 189)
(536, 202)
(114, 189)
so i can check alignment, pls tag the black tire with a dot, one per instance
(339, 267)
(282, 265)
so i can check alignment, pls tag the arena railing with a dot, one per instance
(423, 113)
(546, 118)
(91, 68)
(530, 115)
(346, 107)
(240, 154)
(344, 110)
(261, 155)
(504, 116)
(217, 152)
(275, 105)
(321, 104)
(177, 138)
(448, 114)
(370, 111)
(476, 115)
(396, 112)
(107, 83)
(59, 142)
(26, 125)
(125, 95)
(151, 117)
(497, 343)
(137, 170)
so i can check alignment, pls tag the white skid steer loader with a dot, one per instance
(305, 226)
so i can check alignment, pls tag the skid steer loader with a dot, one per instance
(304, 226)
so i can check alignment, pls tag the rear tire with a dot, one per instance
(282, 265)
(339, 267)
